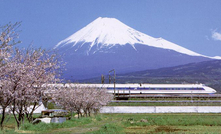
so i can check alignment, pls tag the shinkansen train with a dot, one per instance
(151, 88)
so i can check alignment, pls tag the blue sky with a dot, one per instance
(193, 24)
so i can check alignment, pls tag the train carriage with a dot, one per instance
(152, 88)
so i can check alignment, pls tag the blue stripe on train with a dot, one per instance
(111, 88)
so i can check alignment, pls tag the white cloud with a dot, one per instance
(216, 35)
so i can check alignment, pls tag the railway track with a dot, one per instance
(172, 101)
(124, 96)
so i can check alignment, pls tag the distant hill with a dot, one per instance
(207, 72)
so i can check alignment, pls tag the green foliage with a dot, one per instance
(36, 115)
(173, 120)
(7, 132)
(67, 124)
(109, 128)
(163, 104)
(128, 123)
(51, 105)
(98, 118)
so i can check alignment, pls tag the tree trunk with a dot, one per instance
(3, 117)
(20, 115)
(16, 119)
(71, 114)
(29, 116)
(89, 113)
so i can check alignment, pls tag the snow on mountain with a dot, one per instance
(110, 31)
(107, 43)
(216, 57)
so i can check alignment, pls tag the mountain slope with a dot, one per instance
(107, 43)
(208, 69)
(123, 59)
(207, 72)
(110, 32)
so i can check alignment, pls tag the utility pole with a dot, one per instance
(114, 80)
(109, 78)
(102, 79)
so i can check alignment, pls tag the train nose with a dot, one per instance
(214, 91)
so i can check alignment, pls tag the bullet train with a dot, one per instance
(151, 88)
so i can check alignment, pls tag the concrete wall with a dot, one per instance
(161, 109)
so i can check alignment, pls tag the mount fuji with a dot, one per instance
(107, 43)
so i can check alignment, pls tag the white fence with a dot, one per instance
(153, 109)
(38, 110)
(161, 109)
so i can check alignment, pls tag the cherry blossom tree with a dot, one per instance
(64, 97)
(29, 71)
(8, 36)
(94, 98)
(5, 98)
(24, 74)
(81, 99)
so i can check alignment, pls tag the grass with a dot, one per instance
(67, 124)
(173, 119)
(130, 124)
(174, 99)
(109, 128)
(162, 104)
(163, 123)
(43, 127)
(168, 103)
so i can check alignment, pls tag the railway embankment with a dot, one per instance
(164, 101)
(161, 109)
(175, 96)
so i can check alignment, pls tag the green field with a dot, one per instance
(128, 123)
(162, 104)
(192, 102)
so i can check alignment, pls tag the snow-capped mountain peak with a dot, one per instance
(107, 43)
(110, 32)
(107, 31)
